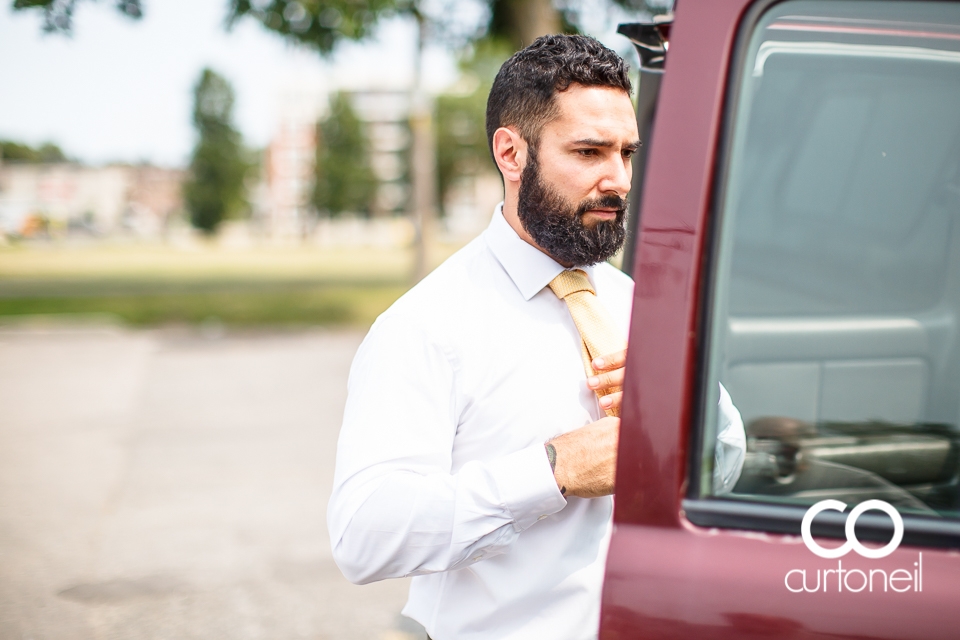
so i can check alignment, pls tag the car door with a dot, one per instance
(799, 244)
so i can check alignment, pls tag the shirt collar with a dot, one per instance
(529, 268)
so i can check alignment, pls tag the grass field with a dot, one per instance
(146, 285)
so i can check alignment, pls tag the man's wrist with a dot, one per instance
(552, 457)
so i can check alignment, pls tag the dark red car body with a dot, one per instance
(667, 577)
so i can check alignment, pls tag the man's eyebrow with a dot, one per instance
(596, 142)
(593, 142)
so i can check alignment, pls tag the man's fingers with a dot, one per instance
(610, 361)
(611, 400)
(607, 380)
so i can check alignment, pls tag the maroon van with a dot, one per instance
(797, 241)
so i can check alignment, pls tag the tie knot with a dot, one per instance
(571, 281)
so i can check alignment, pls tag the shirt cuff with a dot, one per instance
(526, 484)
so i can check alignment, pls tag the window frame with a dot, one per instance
(771, 517)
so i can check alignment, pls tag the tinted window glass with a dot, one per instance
(836, 313)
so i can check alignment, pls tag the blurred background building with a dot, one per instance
(44, 199)
(288, 163)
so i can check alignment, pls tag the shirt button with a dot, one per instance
(476, 558)
(542, 517)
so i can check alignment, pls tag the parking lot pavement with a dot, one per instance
(159, 484)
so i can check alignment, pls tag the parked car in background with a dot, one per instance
(798, 241)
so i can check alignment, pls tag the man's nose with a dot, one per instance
(618, 177)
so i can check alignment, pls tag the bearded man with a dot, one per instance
(479, 441)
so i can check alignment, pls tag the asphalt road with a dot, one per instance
(167, 484)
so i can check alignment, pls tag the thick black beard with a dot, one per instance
(557, 226)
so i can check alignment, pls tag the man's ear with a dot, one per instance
(510, 152)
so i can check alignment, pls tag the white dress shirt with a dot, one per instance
(441, 470)
(731, 445)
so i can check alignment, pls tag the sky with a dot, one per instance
(120, 90)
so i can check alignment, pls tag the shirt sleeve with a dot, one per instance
(397, 509)
(731, 445)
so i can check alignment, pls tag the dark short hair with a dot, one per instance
(524, 92)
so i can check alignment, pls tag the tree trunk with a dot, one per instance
(523, 21)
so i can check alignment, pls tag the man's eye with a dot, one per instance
(587, 153)
(628, 153)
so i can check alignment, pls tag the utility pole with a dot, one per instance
(423, 162)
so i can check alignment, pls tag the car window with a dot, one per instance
(834, 308)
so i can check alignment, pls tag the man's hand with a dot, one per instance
(586, 463)
(609, 370)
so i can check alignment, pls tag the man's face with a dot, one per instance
(572, 196)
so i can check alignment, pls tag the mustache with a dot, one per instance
(609, 201)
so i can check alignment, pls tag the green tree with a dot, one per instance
(214, 190)
(344, 178)
(317, 24)
(461, 135)
(58, 14)
(17, 152)
(322, 24)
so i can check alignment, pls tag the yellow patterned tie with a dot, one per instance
(598, 332)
